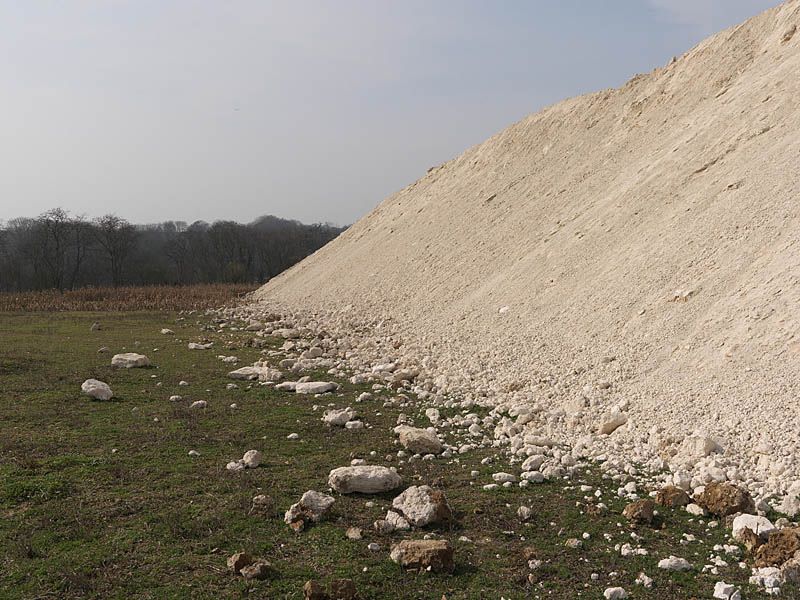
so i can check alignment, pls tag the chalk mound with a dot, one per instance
(629, 257)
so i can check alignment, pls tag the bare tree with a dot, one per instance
(53, 230)
(56, 250)
(81, 242)
(117, 238)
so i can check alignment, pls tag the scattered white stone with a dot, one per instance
(533, 463)
(256, 373)
(129, 360)
(312, 507)
(252, 458)
(524, 513)
(758, 525)
(194, 453)
(195, 346)
(612, 422)
(97, 389)
(394, 521)
(293, 436)
(790, 505)
(312, 353)
(314, 387)
(726, 591)
(419, 441)
(695, 509)
(695, 447)
(674, 563)
(198, 404)
(420, 506)
(364, 479)
(338, 418)
(768, 578)
(533, 476)
(167, 332)
(615, 593)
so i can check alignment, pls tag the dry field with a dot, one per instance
(148, 298)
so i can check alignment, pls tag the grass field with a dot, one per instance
(101, 500)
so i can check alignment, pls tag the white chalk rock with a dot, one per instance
(419, 441)
(615, 593)
(695, 509)
(533, 476)
(533, 463)
(674, 563)
(251, 459)
(421, 506)
(314, 387)
(312, 353)
(338, 418)
(695, 447)
(364, 479)
(312, 507)
(756, 524)
(790, 505)
(726, 591)
(395, 521)
(256, 373)
(97, 389)
(613, 422)
(129, 360)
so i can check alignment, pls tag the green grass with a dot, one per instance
(100, 500)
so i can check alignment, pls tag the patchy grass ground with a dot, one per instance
(101, 500)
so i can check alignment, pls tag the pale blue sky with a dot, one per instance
(193, 109)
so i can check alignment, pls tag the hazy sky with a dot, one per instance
(167, 109)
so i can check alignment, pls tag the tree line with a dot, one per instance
(57, 250)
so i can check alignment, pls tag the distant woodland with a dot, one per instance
(60, 251)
